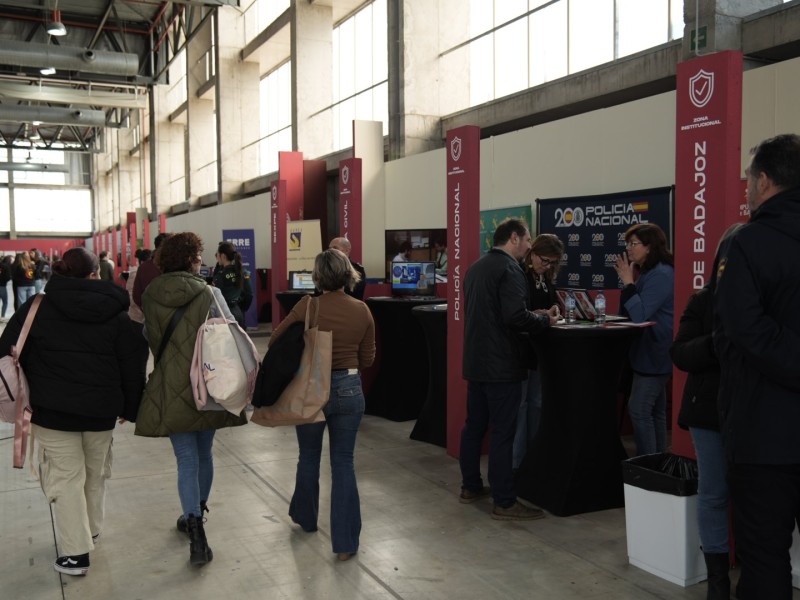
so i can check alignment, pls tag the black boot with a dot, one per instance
(182, 526)
(719, 583)
(199, 551)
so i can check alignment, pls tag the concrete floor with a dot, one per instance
(418, 542)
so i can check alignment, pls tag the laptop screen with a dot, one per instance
(301, 281)
(413, 278)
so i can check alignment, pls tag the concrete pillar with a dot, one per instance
(201, 123)
(419, 91)
(169, 153)
(237, 97)
(312, 48)
(717, 24)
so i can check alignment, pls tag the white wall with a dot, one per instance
(626, 147)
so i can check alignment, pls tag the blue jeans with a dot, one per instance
(343, 414)
(24, 292)
(712, 490)
(530, 413)
(195, 468)
(495, 405)
(647, 407)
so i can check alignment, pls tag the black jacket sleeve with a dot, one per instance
(693, 349)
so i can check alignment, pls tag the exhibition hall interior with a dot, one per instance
(412, 128)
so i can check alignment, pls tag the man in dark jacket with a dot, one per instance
(342, 244)
(757, 338)
(494, 365)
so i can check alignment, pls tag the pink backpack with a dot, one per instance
(15, 405)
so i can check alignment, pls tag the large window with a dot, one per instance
(360, 72)
(517, 44)
(259, 14)
(55, 211)
(276, 117)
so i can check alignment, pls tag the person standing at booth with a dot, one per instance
(343, 245)
(693, 352)
(648, 298)
(757, 338)
(494, 366)
(233, 280)
(541, 265)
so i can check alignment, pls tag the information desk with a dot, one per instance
(290, 298)
(400, 387)
(431, 423)
(573, 464)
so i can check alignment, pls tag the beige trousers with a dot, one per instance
(74, 466)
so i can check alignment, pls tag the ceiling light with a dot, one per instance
(29, 160)
(56, 27)
(47, 71)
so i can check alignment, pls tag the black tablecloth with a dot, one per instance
(431, 423)
(400, 387)
(573, 464)
(289, 298)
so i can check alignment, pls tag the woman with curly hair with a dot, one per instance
(175, 304)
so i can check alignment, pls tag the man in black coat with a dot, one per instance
(757, 337)
(494, 365)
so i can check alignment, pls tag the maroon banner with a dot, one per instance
(146, 234)
(290, 170)
(707, 182)
(278, 238)
(463, 248)
(131, 260)
(350, 207)
(162, 223)
(124, 252)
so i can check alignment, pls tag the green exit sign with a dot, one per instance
(699, 38)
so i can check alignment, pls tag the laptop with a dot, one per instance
(584, 307)
(300, 281)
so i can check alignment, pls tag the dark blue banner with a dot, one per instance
(593, 229)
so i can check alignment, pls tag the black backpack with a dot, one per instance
(279, 365)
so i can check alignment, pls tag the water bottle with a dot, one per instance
(569, 308)
(600, 308)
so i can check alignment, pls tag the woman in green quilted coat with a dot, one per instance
(168, 408)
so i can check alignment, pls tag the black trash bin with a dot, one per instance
(661, 517)
(666, 473)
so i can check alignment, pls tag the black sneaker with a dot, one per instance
(73, 565)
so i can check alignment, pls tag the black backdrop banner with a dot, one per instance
(593, 228)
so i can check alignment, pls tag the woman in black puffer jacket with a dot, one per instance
(84, 373)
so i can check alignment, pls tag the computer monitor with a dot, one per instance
(413, 278)
(300, 281)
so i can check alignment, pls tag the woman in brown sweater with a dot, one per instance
(353, 349)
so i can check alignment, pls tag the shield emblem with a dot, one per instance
(345, 174)
(701, 88)
(274, 192)
(455, 148)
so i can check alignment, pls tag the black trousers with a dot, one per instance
(766, 507)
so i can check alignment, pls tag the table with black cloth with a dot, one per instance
(400, 387)
(573, 465)
(290, 298)
(431, 425)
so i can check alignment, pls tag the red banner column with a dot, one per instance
(278, 237)
(350, 203)
(708, 189)
(463, 248)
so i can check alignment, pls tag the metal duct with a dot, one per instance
(32, 54)
(49, 115)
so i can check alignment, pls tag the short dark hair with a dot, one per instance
(103, 254)
(779, 158)
(405, 246)
(652, 236)
(143, 254)
(160, 238)
(78, 263)
(508, 227)
(178, 252)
